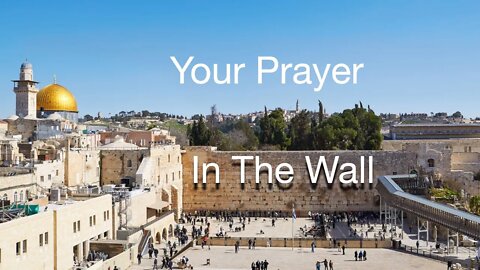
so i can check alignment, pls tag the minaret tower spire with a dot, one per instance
(26, 91)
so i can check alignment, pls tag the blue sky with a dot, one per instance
(419, 56)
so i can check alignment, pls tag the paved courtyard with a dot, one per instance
(283, 228)
(286, 258)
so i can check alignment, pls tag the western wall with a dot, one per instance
(231, 195)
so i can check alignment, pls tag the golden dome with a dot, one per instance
(55, 97)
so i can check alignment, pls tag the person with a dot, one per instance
(115, 268)
(356, 255)
(155, 264)
(343, 249)
(331, 265)
(364, 255)
(155, 252)
(265, 265)
(253, 266)
(317, 265)
(139, 258)
(360, 256)
(325, 264)
(150, 252)
(313, 246)
(449, 265)
(249, 243)
(418, 245)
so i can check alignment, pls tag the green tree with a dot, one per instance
(353, 129)
(88, 117)
(457, 114)
(300, 131)
(474, 204)
(198, 133)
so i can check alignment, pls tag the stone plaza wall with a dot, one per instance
(231, 195)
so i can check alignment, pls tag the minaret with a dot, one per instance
(26, 92)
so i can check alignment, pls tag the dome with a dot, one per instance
(12, 117)
(55, 97)
(30, 117)
(26, 65)
(119, 144)
(55, 116)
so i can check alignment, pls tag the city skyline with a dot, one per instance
(420, 55)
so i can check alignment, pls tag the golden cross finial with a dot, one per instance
(54, 79)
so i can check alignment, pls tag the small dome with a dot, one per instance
(57, 98)
(119, 144)
(30, 117)
(26, 65)
(12, 117)
(55, 116)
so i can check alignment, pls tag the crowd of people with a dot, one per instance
(360, 255)
(260, 265)
(328, 265)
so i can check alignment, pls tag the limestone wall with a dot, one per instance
(82, 167)
(118, 164)
(17, 187)
(454, 159)
(231, 195)
(35, 243)
(91, 222)
(50, 173)
(300, 242)
(158, 168)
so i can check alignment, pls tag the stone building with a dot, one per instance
(158, 168)
(10, 152)
(60, 232)
(455, 160)
(434, 131)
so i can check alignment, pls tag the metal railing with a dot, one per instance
(449, 217)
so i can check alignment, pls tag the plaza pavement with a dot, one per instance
(286, 258)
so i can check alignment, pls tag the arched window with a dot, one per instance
(15, 197)
(5, 197)
(431, 162)
(21, 196)
(129, 163)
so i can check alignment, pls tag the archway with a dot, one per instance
(164, 234)
(158, 238)
(165, 196)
